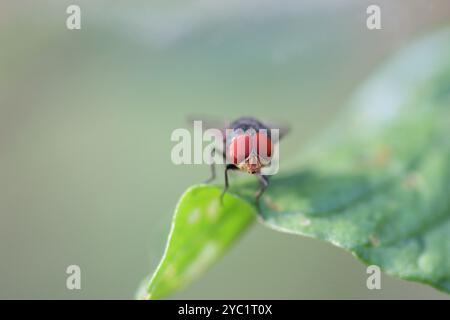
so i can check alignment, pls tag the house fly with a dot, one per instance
(247, 146)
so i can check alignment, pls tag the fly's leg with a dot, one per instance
(228, 167)
(264, 183)
(212, 166)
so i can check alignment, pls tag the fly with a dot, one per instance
(247, 146)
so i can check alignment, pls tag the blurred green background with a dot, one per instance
(86, 118)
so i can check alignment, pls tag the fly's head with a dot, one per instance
(250, 151)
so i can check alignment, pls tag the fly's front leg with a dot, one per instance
(212, 166)
(228, 167)
(264, 183)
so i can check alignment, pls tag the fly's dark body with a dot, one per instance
(243, 125)
(247, 123)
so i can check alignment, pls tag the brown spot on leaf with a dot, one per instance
(383, 156)
(374, 240)
(271, 204)
(411, 180)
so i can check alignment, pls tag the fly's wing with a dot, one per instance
(208, 122)
(283, 128)
(211, 123)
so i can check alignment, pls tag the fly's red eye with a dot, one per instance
(263, 145)
(239, 148)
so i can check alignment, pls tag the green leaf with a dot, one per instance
(202, 229)
(377, 184)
